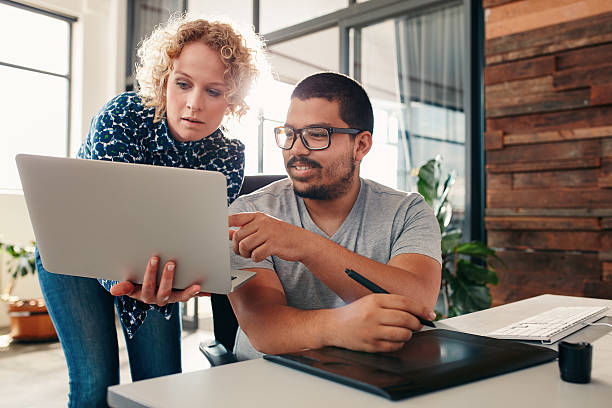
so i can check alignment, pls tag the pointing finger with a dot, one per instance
(239, 219)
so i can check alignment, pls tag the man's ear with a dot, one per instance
(363, 144)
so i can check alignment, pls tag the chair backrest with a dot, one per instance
(224, 321)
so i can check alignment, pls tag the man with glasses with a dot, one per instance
(302, 233)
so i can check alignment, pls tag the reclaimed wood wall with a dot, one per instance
(548, 142)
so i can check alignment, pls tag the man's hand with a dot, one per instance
(376, 323)
(149, 293)
(261, 235)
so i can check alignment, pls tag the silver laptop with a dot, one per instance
(103, 219)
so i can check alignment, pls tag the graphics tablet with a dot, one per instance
(430, 361)
(104, 219)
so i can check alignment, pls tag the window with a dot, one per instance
(35, 83)
(412, 67)
(416, 60)
(278, 14)
(297, 58)
(143, 16)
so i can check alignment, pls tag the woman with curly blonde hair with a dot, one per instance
(192, 74)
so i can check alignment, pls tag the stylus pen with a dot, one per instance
(377, 289)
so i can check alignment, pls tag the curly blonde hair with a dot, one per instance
(241, 53)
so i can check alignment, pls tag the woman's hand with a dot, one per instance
(150, 293)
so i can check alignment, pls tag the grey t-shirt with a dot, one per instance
(383, 223)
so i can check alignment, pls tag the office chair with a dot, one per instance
(225, 324)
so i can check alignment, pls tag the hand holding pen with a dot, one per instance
(377, 289)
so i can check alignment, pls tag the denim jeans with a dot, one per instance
(83, 315)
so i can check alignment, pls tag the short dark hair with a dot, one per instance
(355, 106)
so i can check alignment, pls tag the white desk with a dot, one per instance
(260, 383)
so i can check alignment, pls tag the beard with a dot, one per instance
(341, 173)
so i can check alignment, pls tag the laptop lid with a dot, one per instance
(430, 361)
(105, 219)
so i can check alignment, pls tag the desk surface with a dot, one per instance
(259, 382)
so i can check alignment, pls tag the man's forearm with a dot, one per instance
(268, 331)
(374, 323)
(413, 275)
(328, 261)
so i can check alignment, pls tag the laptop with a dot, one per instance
(432, 360)
(102, 219)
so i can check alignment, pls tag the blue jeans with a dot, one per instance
(83, 315)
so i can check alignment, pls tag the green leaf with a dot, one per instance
(23, 260)
(426, 187)
(470, 298)
(453, 311)
(465, 286)
(474, 273)
(444, 215)
(429, 179)
(478, 249)
(442, 197)
(12, 251)
(450, 240)
(475, 248)
(447, 276)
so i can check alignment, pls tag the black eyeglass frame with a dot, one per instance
(330, 132)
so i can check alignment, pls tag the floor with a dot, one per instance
(34, 375)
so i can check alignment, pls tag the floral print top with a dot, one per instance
(124, 131)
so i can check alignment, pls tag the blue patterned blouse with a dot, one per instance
(124, 131)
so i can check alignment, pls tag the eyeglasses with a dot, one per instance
(313, 137)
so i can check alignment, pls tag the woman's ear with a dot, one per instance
(363, 144)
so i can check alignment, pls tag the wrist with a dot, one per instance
(329, 328)
(311, 248)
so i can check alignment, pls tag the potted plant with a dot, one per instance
(467, 267)
(29, 318)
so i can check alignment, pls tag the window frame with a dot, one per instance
(358, 15)
(133, 15)
(68, 76)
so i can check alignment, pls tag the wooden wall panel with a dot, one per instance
(551, 198)
(543, 223)
(492, 3)
(557, 135)
(587, 178)
(501, 182)
(586, 241)
(604, 179)
(580, 118)
(601, 95)
(583, 77)
(536, 273)
(528, 15)
(584, 163)
(548, 142)
(595, 55)
(519, 88)
(591, 31)
(546, 151)
(531, 68)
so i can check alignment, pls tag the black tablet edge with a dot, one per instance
(284, 360)
(547, 355)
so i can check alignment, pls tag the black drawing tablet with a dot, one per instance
(430, 361)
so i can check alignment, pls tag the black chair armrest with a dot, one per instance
(217, 354)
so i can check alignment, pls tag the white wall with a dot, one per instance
(239, 11)
(98, 73)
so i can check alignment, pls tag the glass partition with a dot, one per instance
(412, 67)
